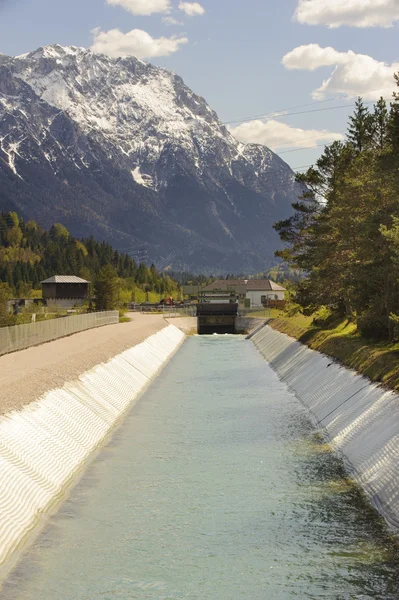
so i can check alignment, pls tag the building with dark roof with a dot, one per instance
(65, 291)
(252, 292)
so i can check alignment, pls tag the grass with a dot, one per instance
(377, 360)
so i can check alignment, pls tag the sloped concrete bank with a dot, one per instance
(44, 446)
(360, 418)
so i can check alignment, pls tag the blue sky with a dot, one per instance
(246, 58)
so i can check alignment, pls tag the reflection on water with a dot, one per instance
(217, 488)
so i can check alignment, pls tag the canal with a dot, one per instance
(215, 487)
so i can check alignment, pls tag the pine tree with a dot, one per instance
(360, 127)
(393, 123)
(106, 289)
(380, 118)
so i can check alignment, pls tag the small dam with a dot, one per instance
(197, 467)
(217, 312)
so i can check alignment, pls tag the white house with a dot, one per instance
(257, 291)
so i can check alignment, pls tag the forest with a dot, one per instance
(28, 255)
(344, 233)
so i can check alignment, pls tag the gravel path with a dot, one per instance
(28, 374)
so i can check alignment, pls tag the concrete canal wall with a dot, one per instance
(45, 445)
(361, 419)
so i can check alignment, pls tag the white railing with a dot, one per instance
(20, 337)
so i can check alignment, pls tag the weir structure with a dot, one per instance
(217, 312)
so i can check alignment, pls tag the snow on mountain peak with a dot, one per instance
(121, 98)
(124, 149)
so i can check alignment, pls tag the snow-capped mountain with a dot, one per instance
(124, 150)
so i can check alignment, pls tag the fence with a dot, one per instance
(262, 313)
(179, 311)
(191, 311)
(166, 310)
(20, 337)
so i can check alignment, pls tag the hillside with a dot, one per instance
(28, 255)
(125, 151)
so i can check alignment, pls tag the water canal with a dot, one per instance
(216, 487)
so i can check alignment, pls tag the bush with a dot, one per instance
(395, 325)
(291, 309)
(324, 317)
(373, 326)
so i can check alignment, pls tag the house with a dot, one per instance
(251, 292)
(65, 291)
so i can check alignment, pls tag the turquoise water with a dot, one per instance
(215, 487)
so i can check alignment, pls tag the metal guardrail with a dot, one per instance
(20, 337)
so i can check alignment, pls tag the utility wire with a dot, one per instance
(299, 149)
(303, 112)
(313, 137)
(304, 167)
(277, 114)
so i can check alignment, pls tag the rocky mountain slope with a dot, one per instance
(124, 150)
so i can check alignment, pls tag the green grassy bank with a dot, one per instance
(378, 361)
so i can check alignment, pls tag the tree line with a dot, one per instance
(29, 254)
(344, 233)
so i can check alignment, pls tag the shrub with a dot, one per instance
(323, 317)
(395, 326)
(373, 326)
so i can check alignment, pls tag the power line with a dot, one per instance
(303, 112)
(303, 167)
(276, 114)
(313, 137)
(299, 149)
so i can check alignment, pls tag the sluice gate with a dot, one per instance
(217, 312)
(216, 318)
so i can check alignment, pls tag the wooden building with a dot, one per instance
(65, 291)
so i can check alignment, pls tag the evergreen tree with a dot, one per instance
(5, 294)
(393, 121)
(361, 127)
(106, 289)
(380, 118)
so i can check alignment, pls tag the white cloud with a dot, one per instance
(137, 43)
(192, 9)
(143, 7)
(355, 13)
(353, 74)
(171, 21)
(279, 135)
(312, 57)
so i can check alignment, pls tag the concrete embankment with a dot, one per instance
(28, 374)
(46, 444)
(360, 418)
